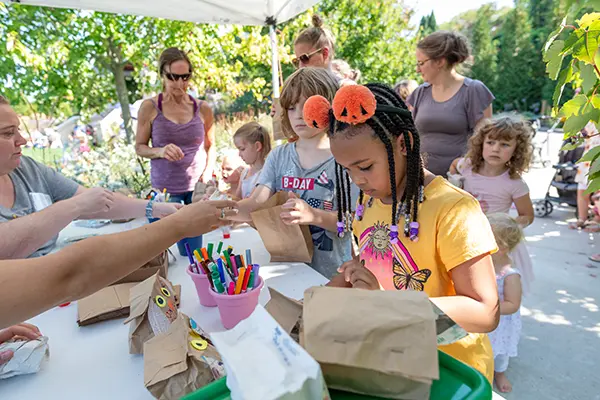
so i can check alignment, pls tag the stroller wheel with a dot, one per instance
(540, 208)
(549, 208)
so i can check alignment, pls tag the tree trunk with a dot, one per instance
(117, 67)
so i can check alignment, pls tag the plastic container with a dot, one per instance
(236, 308)
(202, 288)
(457, 381)
(194, 242)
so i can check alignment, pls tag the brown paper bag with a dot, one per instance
(287, 312)
(380, 343)
(112, 302)
(158, 264)
(277, 129)
(153, 309)
(285, 243)
(173, 364)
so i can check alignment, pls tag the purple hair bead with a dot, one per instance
(394, 234)
(340, 228)
(414, 231)
(360, 210)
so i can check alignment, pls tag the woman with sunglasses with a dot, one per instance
(448, 106)
(181, 129)
(314, 46)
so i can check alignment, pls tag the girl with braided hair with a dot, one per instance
(415, 231)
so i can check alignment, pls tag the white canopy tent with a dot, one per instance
(243, 12)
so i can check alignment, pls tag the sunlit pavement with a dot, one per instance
(560, 344)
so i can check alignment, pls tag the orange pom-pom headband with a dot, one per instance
(353, 104)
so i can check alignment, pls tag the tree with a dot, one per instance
(572, 54)
(515, 88)
(428, 24)
(484, 50)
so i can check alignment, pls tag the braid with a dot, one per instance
(344, 206)
(348, 192)
(338, 191)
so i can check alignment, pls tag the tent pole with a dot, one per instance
(274, 61)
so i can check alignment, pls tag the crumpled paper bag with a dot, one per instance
(372, 342)
(27, 359)
(264, 363)
(287, 312)
(153, 307)
(180, 361)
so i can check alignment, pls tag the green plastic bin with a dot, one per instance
(457, 381)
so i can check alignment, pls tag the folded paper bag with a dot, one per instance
(180, 361)
(28, 356)
(287, 312)
(378, 343)
(153, 307)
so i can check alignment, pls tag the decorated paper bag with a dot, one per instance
(153, 307)
(264, 363)
(158, 264)
(180, 361)
(378, 343)
(285, 243)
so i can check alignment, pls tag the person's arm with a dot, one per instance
(146, 115)
(512, 295)
(209, 140)
(126, 207)
(247, 206)
(35, 285)
(475, 307)
(525, 210)
(454, 166)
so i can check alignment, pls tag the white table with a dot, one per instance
(93, 362)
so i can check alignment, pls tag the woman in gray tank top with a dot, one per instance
(448, 106)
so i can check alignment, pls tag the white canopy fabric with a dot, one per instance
(243, 12)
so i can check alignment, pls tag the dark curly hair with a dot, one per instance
(503, 128)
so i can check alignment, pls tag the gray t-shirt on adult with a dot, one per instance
(36, 187)
(445, 127)
(282, 172)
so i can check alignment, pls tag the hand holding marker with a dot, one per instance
(229, 274)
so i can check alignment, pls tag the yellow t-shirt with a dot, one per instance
(452, 230)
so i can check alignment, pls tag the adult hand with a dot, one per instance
(297, 212)
(19, 332)
(358, 275)
(171, 152)
(93, 200)
(203, 217)
(161, 210)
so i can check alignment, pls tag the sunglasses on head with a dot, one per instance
(304, 58)
(175, 77)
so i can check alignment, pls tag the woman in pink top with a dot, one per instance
(181, 129)
(498, 154)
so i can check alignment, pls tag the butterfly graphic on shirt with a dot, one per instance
(405, 278)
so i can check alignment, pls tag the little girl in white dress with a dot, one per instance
(505, 338)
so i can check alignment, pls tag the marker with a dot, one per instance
(246, 278)
(227, 259)
(255, 268)
(210, 250)
(239, 263)
(205, 268)
(218, 285)
(198, 257)
(205, 254)
(251, 280)
(234, 266)
(240, 281)
(189, 254)
(219, 247)
(243, 261)
(231, 289)
(249, 256)
(221, 272)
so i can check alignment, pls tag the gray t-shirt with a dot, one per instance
(36, 187)
(282, 172)
(445, 127)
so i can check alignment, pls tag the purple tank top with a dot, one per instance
(178, 176)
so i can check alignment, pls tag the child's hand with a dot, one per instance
(358, 275)
(18, 332)
(297, 212)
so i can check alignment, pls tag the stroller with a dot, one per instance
(563, 182)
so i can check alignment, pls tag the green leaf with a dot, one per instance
(594, 186)
(586, 49)
(554, 59)
(555, 34)
(588, 19)
(575, 38)
(596, 101)
(594, 168)
(569, 146)
(566, 75)
(591, 155)
(588, 76)
(576, 123)
(573, 106)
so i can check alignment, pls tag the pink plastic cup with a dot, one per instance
(236, 308)
(203, 288)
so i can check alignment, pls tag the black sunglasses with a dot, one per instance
(304, 58)
(175, 77)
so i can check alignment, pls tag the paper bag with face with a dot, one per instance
(153, 309)
(180, 361)
(379, 343)
(285, 243)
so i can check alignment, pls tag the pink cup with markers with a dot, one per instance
(235, 308)
(203, 288)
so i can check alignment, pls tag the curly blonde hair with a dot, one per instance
(304, 83)
(507, 232)
(504, 128)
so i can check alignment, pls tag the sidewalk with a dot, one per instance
(560, 343)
